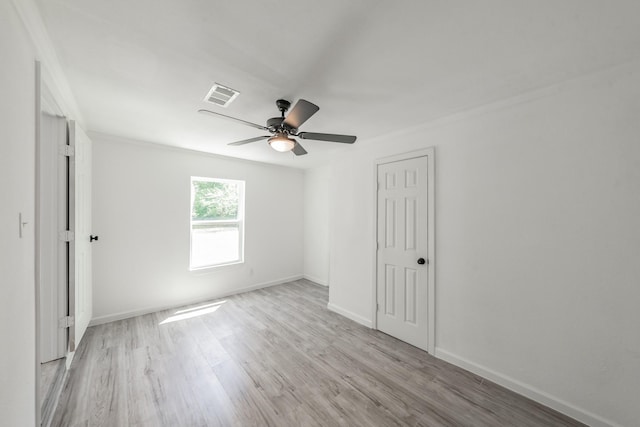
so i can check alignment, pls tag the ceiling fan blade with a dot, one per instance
(345, 139)
(300, 113)
(298, 150)
(246, 141)
(244, 122)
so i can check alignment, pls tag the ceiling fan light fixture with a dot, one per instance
(281, 143)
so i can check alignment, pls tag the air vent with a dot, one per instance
(221, 95)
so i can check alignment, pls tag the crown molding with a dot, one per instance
(52, 72)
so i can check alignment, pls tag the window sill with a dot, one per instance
(214, 267)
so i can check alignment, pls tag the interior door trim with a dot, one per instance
(431, 246)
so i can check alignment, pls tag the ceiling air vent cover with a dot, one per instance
(221, 95)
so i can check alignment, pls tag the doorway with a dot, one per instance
(405, 252)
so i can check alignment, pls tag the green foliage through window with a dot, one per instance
(215, 200)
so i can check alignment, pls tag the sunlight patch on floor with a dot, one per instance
(189, 313)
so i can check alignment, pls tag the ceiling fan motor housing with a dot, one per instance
(274, 122)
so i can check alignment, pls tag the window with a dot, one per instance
(217, 222)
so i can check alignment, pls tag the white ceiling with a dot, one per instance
(140, 68)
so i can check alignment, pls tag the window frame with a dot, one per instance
(239, 221)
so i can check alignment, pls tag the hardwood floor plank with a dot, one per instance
(274, 357)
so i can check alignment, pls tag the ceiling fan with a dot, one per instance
(283, 128)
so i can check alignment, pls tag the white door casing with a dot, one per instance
(80, 295)
(404, 254)
(51, 249)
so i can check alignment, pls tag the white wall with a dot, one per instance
(316, 225)
(17, 182)
(141, 198)
(537, 241)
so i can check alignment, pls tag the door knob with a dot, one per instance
(421, 261)
(92, 238)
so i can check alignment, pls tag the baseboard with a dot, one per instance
(526, 390)
(316, 280)
(350, 315)
(140, 312)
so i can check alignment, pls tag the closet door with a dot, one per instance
(80, 288)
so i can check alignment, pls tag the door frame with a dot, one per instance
(47, 99)
(429, 153)
(51, 168)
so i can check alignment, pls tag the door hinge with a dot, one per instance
(66, 322)
(377, 307)
(67, 150)
(66, 236)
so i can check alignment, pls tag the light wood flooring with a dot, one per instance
(274, 357)
(48, 373)
(51, 379)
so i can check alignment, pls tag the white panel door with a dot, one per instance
(80, 304)
(402, 250)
